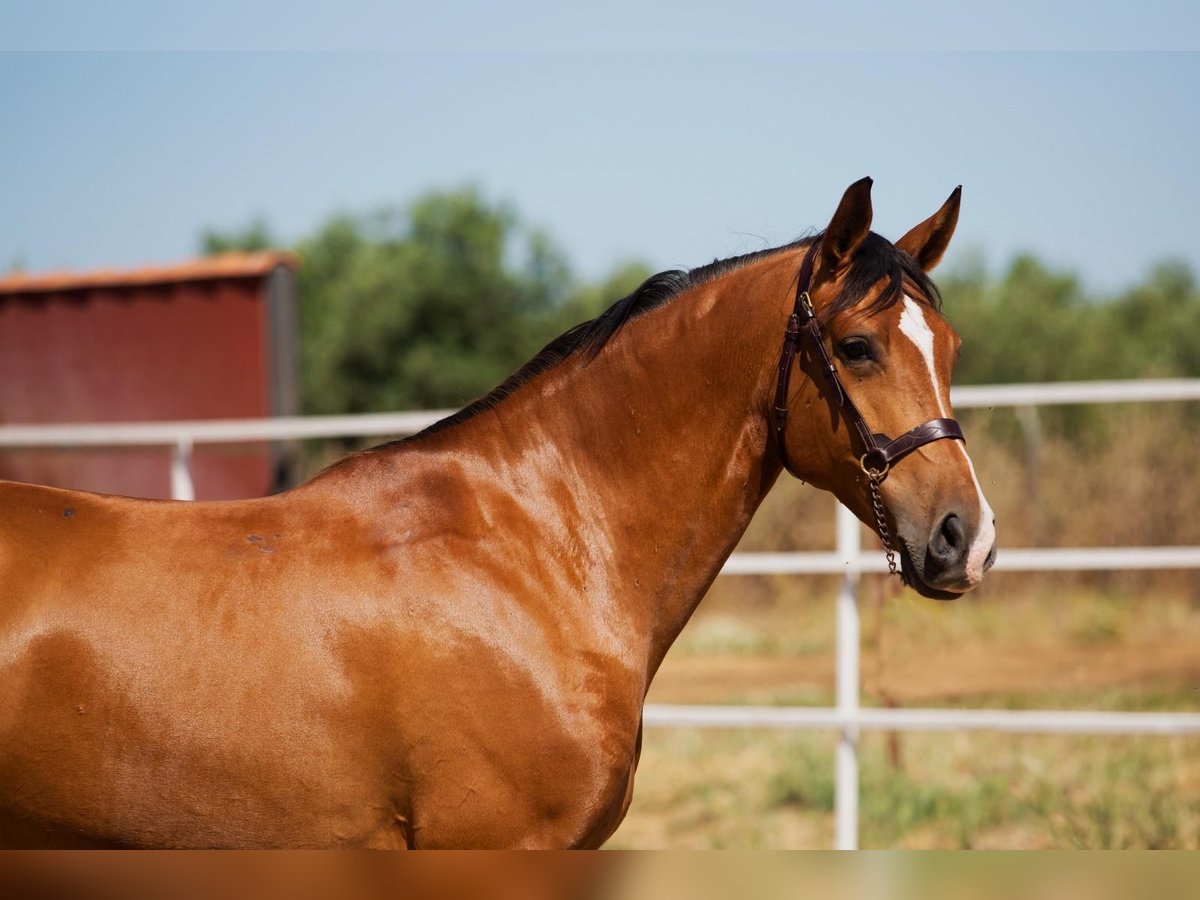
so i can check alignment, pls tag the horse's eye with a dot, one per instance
(856, 350)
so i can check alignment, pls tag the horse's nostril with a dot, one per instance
(949, 541)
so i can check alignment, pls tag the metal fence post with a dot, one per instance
(849, 539)
(181, 472)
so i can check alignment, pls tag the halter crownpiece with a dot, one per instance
(879, 452)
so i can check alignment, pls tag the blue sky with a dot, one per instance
(561, 25)
(673, 157)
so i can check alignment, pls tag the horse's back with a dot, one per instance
(104, 554)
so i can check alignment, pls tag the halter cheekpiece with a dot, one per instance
(879, 452)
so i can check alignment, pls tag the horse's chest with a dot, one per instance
(533, 784)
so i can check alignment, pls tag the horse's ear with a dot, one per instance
(928, 241)
(848, 228)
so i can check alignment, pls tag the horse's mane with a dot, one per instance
(876, 259)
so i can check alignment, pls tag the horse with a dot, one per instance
(446, 641)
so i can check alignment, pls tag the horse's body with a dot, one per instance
(441, 642)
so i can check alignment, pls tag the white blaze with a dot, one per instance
(915, 327)
(986, 536)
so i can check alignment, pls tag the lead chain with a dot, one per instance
(880, 522)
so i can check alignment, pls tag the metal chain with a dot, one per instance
(880, 522)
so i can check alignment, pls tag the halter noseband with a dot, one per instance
(880, 452)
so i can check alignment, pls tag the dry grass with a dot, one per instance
(1032, 646)
(759, 789)
(1098, 650)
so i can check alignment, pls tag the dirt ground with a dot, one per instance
(943, 677)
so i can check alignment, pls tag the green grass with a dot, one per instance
(759, 790)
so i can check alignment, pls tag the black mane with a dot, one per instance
(876, 259)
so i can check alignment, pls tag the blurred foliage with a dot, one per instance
(434, 304)
(1034, 323)
(428, 306)
(255, 236)
(1031, 323)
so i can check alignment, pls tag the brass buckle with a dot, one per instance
(806, 305)
(876, 475)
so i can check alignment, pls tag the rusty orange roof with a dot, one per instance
(208, 268)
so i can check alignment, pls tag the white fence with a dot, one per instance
(848, 718)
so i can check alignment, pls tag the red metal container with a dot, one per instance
(210, 339)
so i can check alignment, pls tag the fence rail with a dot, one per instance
(225, 431)
(1033, 721)
(848, 717)
(1017, 559)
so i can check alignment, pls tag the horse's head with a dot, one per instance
(894, 353)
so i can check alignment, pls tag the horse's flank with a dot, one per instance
(445, 641)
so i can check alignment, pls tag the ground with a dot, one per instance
(1029, 644)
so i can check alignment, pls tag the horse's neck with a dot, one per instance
(659, 442)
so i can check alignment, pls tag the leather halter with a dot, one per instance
(880, 452)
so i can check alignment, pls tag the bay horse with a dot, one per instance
(446, 641)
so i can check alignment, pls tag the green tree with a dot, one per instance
(427, 306)
(1154, 328)
(1031, 324)
(255, 236)
(1037, 324)
(435, 303)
